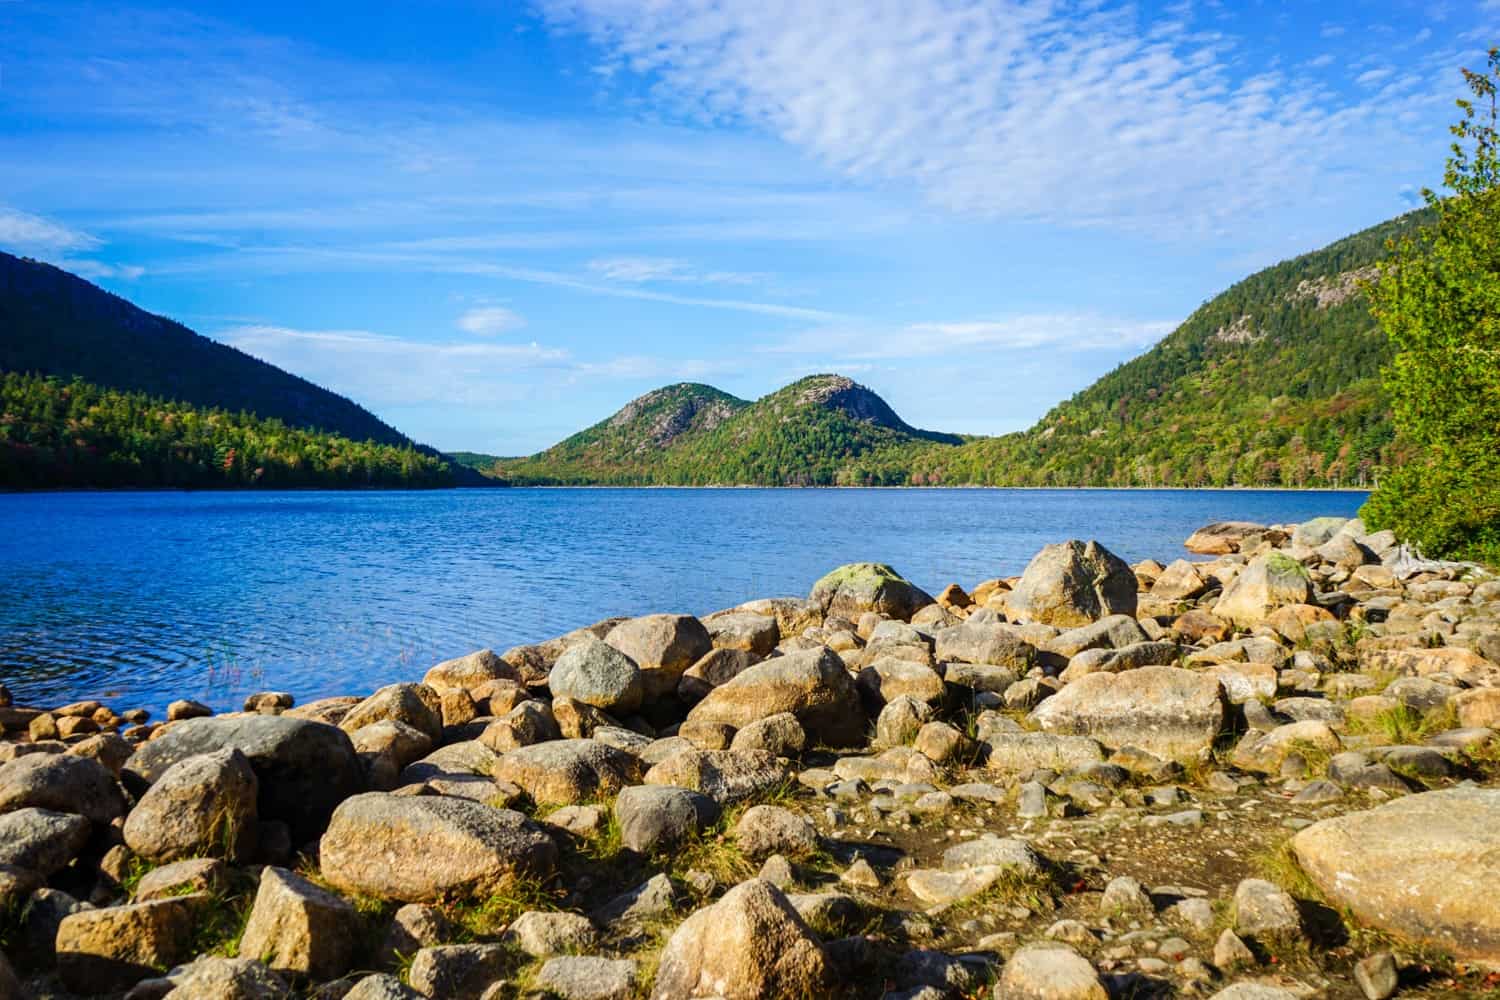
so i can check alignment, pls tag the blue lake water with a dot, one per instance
(141, 598)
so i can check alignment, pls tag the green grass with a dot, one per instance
(1280, 865)
(1403, 725)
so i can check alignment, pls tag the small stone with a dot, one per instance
(778, 871)
(1050, 971)
(1231, 953)
(583, 977)
(1377, 975)
(187, 709)
(861, 875)
(1262, 909)
(458, 971)
(542, 934)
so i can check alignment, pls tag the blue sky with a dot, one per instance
(493, 224)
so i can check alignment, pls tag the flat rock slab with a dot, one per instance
(1424, 866)
(1166, 711)
(424, 847)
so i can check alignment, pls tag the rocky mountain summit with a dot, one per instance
(1267, 773)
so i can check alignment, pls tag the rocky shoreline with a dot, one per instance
(1269, 773)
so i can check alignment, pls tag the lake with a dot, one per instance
(142, 598)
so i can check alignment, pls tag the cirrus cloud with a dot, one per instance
(488, 321)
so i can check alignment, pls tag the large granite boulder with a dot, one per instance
(63, 783)
(203, 805)
(1426, 867)
(663, 647)
(304, 769)
(417, 705)
(856, 588)
(417, 848)
(985, 642)
(465, 673)
(299, 928)
(812, 685)
(567, 772)
(1267, 583)
(41, 840)
(654, 818)
(1073, 583)
(723, 775)
(1222, 537)
(1166, 711)
(750, 944)
(598, 674)
(112, 948)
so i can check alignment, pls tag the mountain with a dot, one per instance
(55, 324)
(811, 432)
(1274, 382)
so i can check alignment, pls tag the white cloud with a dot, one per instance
(382, 371)
(99, 269)
(488, 321)
(647, 269)
(1082, 113)
(1053, 331)
(24, 233)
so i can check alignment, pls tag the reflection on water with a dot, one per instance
(141, 598)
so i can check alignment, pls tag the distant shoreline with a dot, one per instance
(741, 486)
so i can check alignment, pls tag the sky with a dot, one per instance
(495, 223)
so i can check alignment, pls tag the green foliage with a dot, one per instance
(1438, 299)
(55, 323)
(56, 433)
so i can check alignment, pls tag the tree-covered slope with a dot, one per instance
(1276, 381)
(816, 431)
(56, 323)
(60, 433)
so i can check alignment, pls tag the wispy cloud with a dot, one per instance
(648, 269)
(22, 232)
(1056, 331)
(1082, 113)
(489, 321)
(386, 371)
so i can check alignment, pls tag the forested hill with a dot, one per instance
(1274, 382)
(820, 430)
(56, 323)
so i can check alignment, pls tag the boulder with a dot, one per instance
(1319, 530)
(1050, 970)
(1263, 910)
(812, 685)
(459, 971)
(304, 769)
(598, 674)
(888, 679)
(765, 830)
(113, 948)
(62, 783)
(1180, 581)
(663, 647)
(717, 666)
(191, 874)
(724, 775)
(779, 734)
(566, 772)
(1166, 711)
(1022, 751)
(1267, 583)
(1073, 583)
(544, 933)
(465, 673)
(985, 642)
(656, 817)
(220, 978)
(203, 805)
(744, 631)
(750, 944)
(1426, 867)
(1110, 632)
(587, 977)
(41, 840)
(381, 986)
(420, 848)
(417, 705)
(1222, 537)
(857, 588)
(298, 928)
